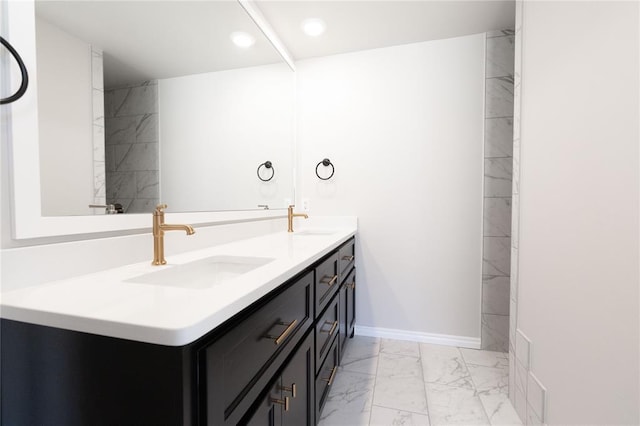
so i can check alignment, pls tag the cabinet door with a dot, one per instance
(269, 411)
(298, 385)
(350, 286)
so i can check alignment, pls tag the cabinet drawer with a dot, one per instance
(327, 328)
(326, 283)
(325, 378)
(237, 361)
(346, 257)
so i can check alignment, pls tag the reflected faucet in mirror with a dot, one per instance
(159, 228)
(291, 215)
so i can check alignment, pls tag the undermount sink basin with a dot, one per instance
(203, 273)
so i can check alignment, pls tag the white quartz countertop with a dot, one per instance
(108, 303)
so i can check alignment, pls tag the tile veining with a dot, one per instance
(386, 382)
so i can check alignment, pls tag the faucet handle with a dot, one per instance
(160, 208)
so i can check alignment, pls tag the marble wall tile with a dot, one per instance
(142, 205)
(512, 374)
(136, 157)
(147, 184)
(532, 418)
(120, 185)
(521, 377)
(147, 128)
(496, 256)
(350, 399)
(485, 358)
(99, 181)
(120, 130)
(536, 396)
(523, 349)
(109, 158)
(495, 295)
(498, 137)
(521, 404)
(495, 332)
(400, 347)
(499, 410)
(444, 365)
(513, 315)
(499, 97)
(497, 217)
(500, 33)
(500, 56)
(382, 416)
(98, 145)
(136, 100)
(497, 177)
(454, 406)
(97, 68)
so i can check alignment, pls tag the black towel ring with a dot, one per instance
(23, 72)
(326, 162)
(267, 165)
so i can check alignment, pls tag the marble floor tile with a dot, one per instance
(400, 347)
(350, 399)
(490, 380)
(499, 410)
(444, 365)
(450, 405)
(400, 384)
(412, 390)
(392, 365)
(361, 355)
(382, 416)
(400, 392)
(486, 358)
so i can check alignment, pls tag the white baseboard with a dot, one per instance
(415, 336)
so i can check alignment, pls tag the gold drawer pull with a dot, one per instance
(284, 402)
(333, 327)
(349, 258)
(285, 333)
(333, 374)
(350, 285)
(331, 281)
(291, 389)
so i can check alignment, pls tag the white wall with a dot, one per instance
(65, 119)
(578, 294)
(217, 128)
(403, 127)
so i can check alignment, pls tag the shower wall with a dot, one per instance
(498, 157)
(132, 139)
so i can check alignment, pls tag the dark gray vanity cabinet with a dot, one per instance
(347, 309)
(273, 363)
(289, 401)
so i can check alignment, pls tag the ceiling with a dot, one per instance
(145, 40)
(361, 24)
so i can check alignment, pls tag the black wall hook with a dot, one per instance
(326, 162)
(266, 165)
(23, 72)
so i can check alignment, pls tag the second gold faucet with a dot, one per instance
(291, 215)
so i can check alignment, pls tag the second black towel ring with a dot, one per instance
(326, 162)
(23, 72)
(266, 165)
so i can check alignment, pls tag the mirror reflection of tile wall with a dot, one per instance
(131, 136)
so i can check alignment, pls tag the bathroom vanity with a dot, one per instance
(268, 355)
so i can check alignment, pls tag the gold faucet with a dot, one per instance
(159, 227)
(291, 215)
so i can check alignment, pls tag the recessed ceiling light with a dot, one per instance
(313, 26)
(242, 39)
